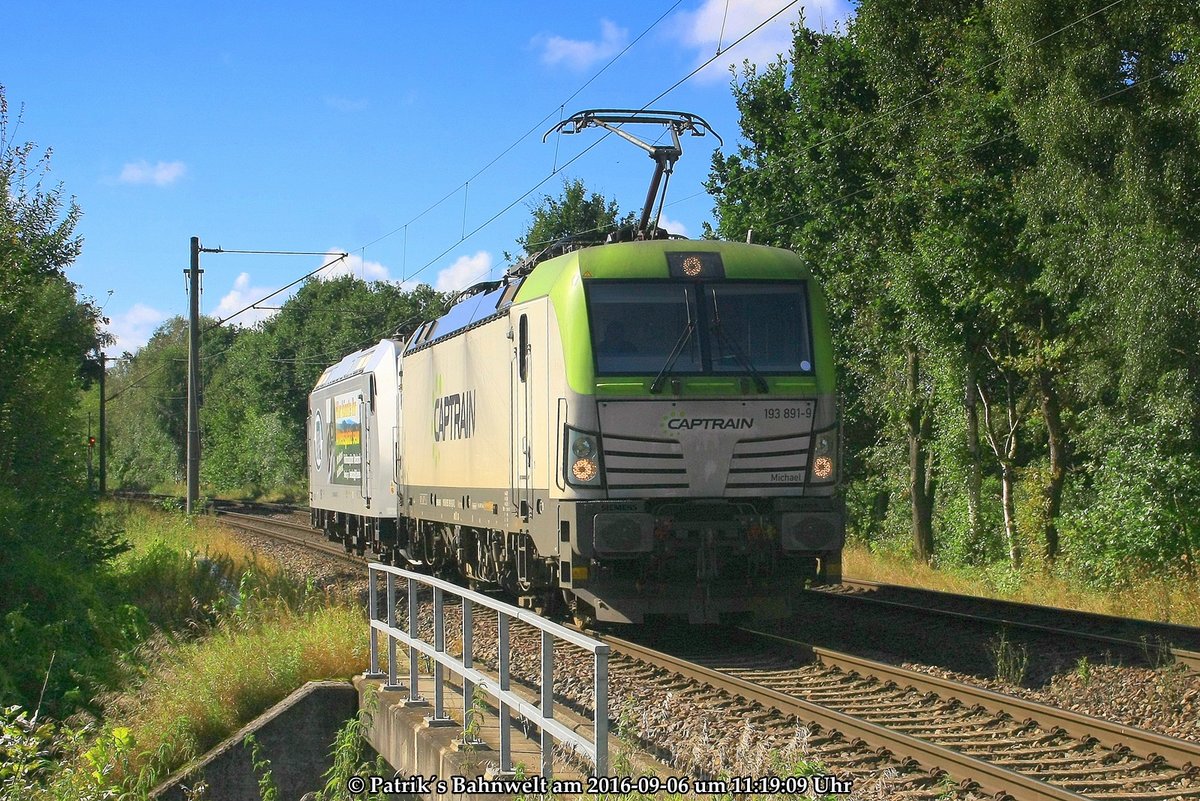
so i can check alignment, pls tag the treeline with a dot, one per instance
(255, 381)
(56, 623)
(254, 387)
(1002, 199)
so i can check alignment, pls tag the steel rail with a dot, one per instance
(1001, 782)
(1191, 659)
(1179, 753)
(305, 536)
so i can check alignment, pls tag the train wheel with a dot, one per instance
(582, 613)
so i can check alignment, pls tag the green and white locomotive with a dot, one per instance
(633, 429)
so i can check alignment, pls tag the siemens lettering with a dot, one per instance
(454, 416)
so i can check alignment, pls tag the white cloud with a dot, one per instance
(133, 328)
(160, 174)
(241, 296)
(723, 22)
(580, 54)
(672, 226)
(464, 272)
(354, 265)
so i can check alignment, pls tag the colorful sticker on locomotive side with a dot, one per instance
(347, 448)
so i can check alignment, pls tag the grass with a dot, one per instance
(225, 636)
(200, 693)
(146, 528)
(1150, 599)
(292, 493)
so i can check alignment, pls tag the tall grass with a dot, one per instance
(197, 694)
(1150, 597)
(225, 635)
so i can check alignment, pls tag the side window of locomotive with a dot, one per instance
(523, 347)
(636, 325)
(763, 324)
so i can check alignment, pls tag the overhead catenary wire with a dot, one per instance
(461, 187)
(873, 120)
(533, 129)
(708, 62)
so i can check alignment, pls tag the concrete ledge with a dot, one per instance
(414, 747)
(296, 735)
(431, 755)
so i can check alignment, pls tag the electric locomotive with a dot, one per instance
(631, 429)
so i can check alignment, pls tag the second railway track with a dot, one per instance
(1152, 640)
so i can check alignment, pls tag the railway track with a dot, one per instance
(689, 723)
(1154, 641)
(995, 743)
(300, 534)
(256, 517)
(930, 737)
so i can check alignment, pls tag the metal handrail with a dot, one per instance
(541, 714)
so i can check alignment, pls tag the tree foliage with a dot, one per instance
(255, 384)
(50, 540)
(1003, 209)
(574, 214)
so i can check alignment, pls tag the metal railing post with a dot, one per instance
(439, 644)
(393, 682)
(468, 686)
(547, 702)
(601, 722)
(541, 714)
(502, 707)
(414, 689)
(373, 613)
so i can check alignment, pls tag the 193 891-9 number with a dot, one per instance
(788, 412)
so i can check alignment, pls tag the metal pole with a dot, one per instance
(601, 720)
(547, 702)
(502, 707)
(468, 646)
(393, 683)
(103, 430)
(372, 616)
(413, 679)
(193, 388)
(439, 644)
(90, 449)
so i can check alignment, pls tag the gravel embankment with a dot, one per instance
(703, 738)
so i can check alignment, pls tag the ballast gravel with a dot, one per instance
(714, 737)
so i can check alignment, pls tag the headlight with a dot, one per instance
(584, 446)
(585, 470)
(822, 468)
(581, 467)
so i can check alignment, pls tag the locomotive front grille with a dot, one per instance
(634, 465)
(775, 462)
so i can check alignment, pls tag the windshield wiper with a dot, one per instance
(759, 382)
(656, 387)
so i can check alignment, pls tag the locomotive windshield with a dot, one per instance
(696, 328)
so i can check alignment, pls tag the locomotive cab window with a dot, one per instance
(636, 326)
(763, 326)
(698, 328)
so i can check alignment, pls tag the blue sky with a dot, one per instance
(318, 127)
